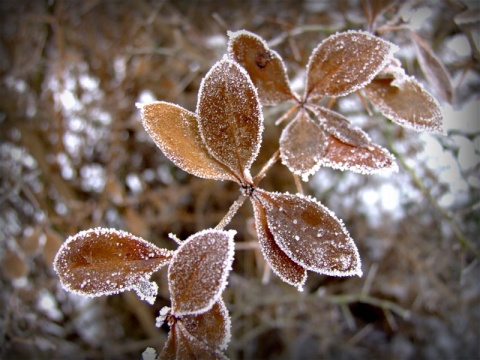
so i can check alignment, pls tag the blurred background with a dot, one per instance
(74, 155)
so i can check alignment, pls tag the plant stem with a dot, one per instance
(266, 167)
(231, 212)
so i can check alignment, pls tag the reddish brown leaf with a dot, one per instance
(409, 105)
(345, 62)
(302, 145)
(107, 261)
(288, 270)
(433, 68)
(310, 234)
(265, 67)
(175, 131)
(211, 327)
(198, 272)
(376, 7)
(181, 346)
(231, 119)
(207, 333)
(340, 127)
(367, 161)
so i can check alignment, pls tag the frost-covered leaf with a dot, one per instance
(103, 261)
(265, 67)
(302, 145)
(345, 62)
(433, 68)
(409, 105)
(340, 127)
(175, 131)
(287, 269)
(198, 272)
(211, 327)
(207, 333)
(230, 117)
(181, 346)
(310, 234)
(370, 160)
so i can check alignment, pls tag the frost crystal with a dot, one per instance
(198, 271)
(107, 261)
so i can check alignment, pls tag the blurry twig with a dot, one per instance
(462, 239)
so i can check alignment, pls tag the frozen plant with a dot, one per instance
(220, 141)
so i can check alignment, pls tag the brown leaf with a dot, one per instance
(107, 261)
(340, 127)
(175, 131)
(230, 117)
(433, 68)
(367, 161)
(310, 234)
(265, 67)
(376, 7)
(302, 145)
(181, 346)
(211, 327)
(345, 62)
(13, 264)
(199, 269)
(287, 269)
(409, 105)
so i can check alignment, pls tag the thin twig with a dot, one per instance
(287, 114)
(231, 212)
(266, 167)
(298, 184)
(461, 238)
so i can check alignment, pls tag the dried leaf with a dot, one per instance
(231, 119)
(175, 131)
(310, 234)
(345, 62)
(409, 106)
(265, 67)
(302, 145)
(211, 327)
(287, 269)
(13, 265)
(376, 7)
(340, 127)
(199, 269)
(433, 68)
(181, 346)
(366, 161)
(103, 261)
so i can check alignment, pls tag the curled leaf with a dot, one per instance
(302, 145)
(287, 269)
(199, 336)
(107, 261)
(310, 234)
(198, 272)
(433, 68)
(407, 104)
(345, 62)
(367, 161)
(340, 127)
(265, 67)
(175, 131)
(230, 117)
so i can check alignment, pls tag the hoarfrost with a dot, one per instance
(230, 117)
(334, 253)
(199, 270)
(345, 62)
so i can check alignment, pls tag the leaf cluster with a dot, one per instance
(220, 141)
